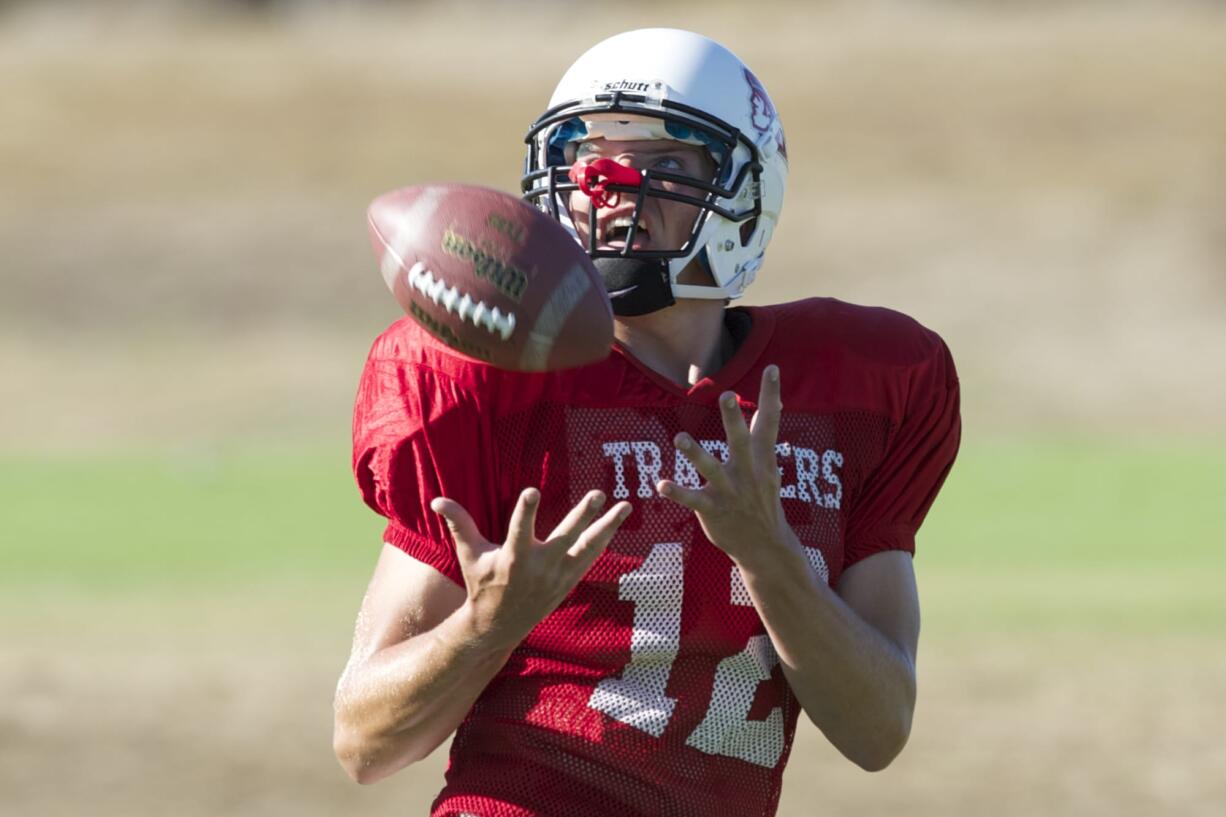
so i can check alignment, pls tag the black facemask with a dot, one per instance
(636, 286)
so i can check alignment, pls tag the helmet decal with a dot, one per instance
(762, 114)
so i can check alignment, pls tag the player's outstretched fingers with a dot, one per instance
(695, 499)
(707, 466)
(521, 533)
(596, 537)
(764, 428)
(469, 543)
(578, 518)
(735, 429)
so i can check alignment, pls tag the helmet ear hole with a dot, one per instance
(747, 231)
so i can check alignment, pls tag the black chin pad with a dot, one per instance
(636, 286)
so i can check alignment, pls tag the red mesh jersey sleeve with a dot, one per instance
(419, 434)
(919, 454)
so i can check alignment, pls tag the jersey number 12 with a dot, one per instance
(637, 697)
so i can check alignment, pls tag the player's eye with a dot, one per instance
(577, 151)
(669, 163)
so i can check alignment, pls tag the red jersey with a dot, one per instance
(653, 689)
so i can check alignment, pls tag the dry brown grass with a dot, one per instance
(1045, 188)
(143, 707)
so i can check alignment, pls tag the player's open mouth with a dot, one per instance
(615, 232)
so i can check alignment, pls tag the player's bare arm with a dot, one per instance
(848, 656)
(424, 649)
(408, 645)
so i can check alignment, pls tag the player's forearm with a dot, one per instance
(396, 706)
(855, 684)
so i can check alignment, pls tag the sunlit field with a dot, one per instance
(172, 626)
(187, 297)
(1031, 533)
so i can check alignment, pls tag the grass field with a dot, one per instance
(1085, 520)
(187, 297)
(172, 625)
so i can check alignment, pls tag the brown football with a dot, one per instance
(491, 276)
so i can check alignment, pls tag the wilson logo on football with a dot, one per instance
(509, 280)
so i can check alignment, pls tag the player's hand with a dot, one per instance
(512, 586)
(739, 506)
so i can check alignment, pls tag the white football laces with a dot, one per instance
(460, 303)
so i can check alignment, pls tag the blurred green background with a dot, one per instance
(188, 296)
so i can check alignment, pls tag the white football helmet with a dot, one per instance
(671, 84)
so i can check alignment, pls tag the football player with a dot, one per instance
(616, 591)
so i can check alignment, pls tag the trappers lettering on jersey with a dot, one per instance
(814, 475)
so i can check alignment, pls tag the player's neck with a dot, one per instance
(685, 342)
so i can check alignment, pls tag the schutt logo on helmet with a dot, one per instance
(627, 85)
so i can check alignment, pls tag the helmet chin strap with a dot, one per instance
(640, 286)
(636, 286)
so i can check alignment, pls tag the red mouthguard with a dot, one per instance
(595, 176)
